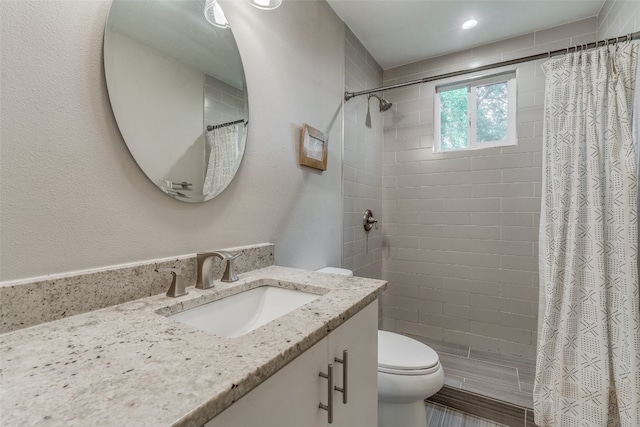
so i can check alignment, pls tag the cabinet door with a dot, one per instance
(289, 398)
(359, 336)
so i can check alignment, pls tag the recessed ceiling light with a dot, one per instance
(471, 23)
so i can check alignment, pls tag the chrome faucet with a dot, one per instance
(177, 288)
(229, 274)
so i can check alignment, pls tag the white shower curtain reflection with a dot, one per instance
(588, 362)
(224, 147)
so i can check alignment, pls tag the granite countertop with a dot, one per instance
(129, 365)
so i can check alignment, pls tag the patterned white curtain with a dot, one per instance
(588, 362)
(223, 146)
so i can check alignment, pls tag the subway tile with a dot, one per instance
(521, 204)
(414, 155)
(418, 329)
(402, 144)
(533, 174)
(523, 219)
(445, 322)
(526, 293)
(524, 350)
(520, 189)
(447, 192)
(472, 153)
(531, 114)
(588, 25)
(471, 286)
(432, 307)
(387, 181)
(504, 333)
(519, 321)
(460, 231)
(400, 314)
(448, 257)
(422, 280)
(404, 290)
(426, 141)
(462, 177)
(472, 205)
(444, 347)
(444, 296)
(476, 246)
(527, 234)
(450, 218)
(526, 144)
(502, 161)
(477, 341)
(526, 263)
(445, 165)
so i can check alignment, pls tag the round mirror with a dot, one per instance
(178, 92)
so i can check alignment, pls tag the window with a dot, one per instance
(476, 113)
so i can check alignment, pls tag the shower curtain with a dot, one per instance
(588, 361)
(223, 146)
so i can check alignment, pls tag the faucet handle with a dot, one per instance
(177, 288)
(230, 274)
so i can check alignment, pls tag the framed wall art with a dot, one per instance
(313, 148)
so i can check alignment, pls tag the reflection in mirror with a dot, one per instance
(177, 89)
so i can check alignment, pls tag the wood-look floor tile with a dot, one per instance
(435, 414)
(481, 406)
(503, 359)
(479, 371)
(500, 392)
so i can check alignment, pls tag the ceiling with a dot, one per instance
(398, 32)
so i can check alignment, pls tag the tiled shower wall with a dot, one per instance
(618, 17)
(362, 165)
(460, 229)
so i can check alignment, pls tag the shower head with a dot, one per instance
(383, 103)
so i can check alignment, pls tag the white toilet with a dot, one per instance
(408, 372)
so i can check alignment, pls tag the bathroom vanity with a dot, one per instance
(131, 364)
(295, 392)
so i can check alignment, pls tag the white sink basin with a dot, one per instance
(238, 314)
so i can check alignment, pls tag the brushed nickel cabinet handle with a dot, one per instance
(329, 406)
(344, 362)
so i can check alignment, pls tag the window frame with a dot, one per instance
(509, 77)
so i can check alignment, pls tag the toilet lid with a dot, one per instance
(399, 352)
(336, 270)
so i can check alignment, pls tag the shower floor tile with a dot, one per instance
(500, 377)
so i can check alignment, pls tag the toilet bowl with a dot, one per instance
(408, 372)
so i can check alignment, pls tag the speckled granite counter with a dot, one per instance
(129, 365)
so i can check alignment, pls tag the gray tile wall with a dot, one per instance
(362, 165)
(460, 229)
(618, 18)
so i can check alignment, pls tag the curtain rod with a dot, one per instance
(210, 128)
(614, 40)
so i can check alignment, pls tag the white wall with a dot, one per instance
(71, 195)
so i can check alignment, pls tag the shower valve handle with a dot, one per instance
(368, 220)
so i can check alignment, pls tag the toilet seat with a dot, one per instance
(401, 355)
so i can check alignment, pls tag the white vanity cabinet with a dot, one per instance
(291, 397)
